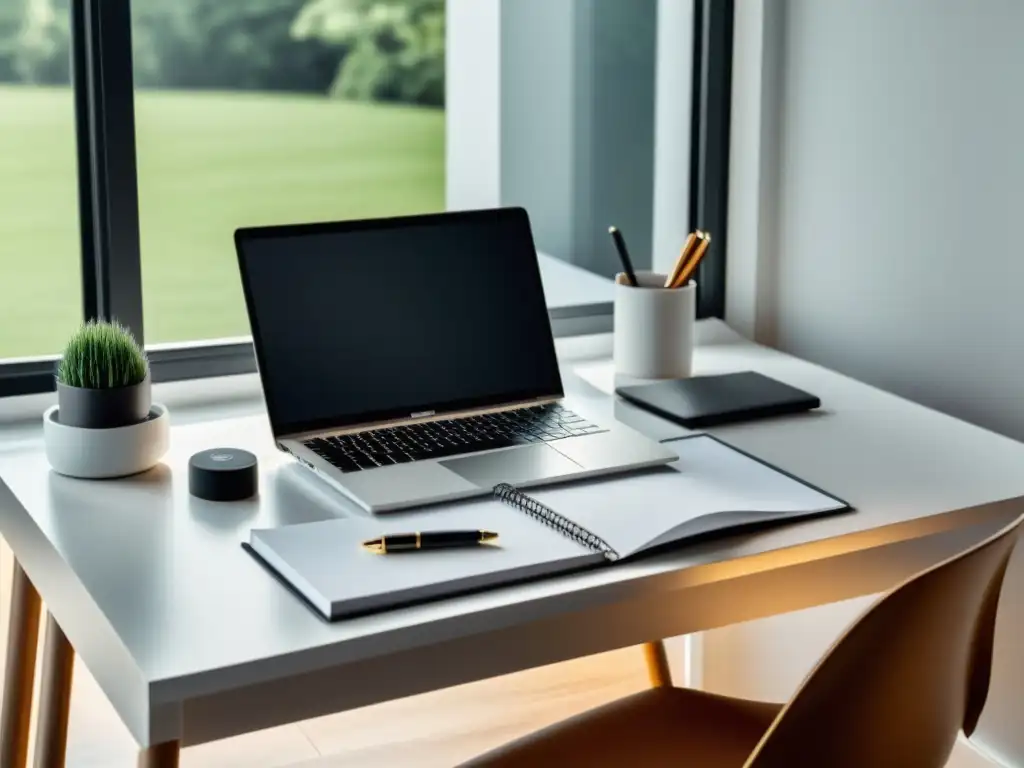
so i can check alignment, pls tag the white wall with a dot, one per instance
(472, 104)
(672, 109)
(551, 105)
(876, 196)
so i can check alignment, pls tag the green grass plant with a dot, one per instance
(102, 356)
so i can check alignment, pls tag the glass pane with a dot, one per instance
(578, 125)
(40, 292)
(253, 112)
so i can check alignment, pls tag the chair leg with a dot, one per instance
(22, 636)
(160, 756)
(657, 664)
(54, 697)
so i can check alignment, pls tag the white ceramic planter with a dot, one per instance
(100, 453)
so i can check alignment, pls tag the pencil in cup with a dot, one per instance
(684, 256)
(690, 267)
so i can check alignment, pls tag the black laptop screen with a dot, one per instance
(366, 321)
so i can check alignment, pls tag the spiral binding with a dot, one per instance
(524, 503)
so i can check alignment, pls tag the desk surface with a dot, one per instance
(190, 639)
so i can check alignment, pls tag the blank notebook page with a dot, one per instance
(639, 510)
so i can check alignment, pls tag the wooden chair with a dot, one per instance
(894, 691)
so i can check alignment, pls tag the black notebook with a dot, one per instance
(705, 401)
(542, 531)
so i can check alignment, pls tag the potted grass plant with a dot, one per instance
(102, 378)
(105, 423)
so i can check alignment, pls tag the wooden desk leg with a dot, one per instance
(657, 665)
(22, 636)
(161, 756)
(54, 698)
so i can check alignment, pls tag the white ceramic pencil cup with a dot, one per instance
(653, 336)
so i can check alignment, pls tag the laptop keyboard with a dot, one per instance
(437, 439)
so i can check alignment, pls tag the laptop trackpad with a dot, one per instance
(521, 465)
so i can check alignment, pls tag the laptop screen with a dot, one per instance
(360, 322)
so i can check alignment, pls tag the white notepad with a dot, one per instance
(545, 531)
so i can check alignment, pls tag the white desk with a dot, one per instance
(192, 641)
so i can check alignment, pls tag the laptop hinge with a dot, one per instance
(419, 417)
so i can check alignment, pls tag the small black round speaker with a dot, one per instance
(222, 474)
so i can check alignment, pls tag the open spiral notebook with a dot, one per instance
(543, 531)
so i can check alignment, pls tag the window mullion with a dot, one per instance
(709, 179)
(108, 182)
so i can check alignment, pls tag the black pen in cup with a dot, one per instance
(627, 263)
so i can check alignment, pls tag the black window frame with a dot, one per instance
(713, 22)
(103, 86)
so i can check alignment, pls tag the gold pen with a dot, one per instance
(691, 265)
(410, 542)
(684, 255)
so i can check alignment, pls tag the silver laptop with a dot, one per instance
(410, 360)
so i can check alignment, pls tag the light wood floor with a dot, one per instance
(437, 729)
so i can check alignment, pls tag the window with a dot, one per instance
(254, 112)
(125, 174)
(40, 284)
(602, 113)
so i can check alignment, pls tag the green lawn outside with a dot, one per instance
(208, 162)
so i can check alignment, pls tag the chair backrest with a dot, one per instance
(899, 685)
